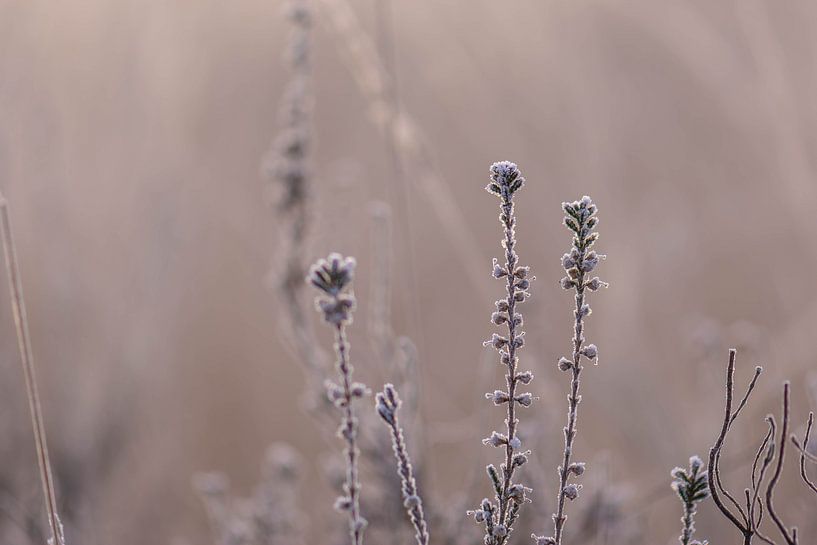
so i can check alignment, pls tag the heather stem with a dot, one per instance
(349, 433)
(510, 378)
(387, 406)
(573, 405)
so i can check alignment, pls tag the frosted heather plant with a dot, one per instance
(388, 404)
(582, 260)
(692, 486)
(499, 515)
(333, 278)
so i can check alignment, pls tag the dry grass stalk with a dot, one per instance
(27, 358)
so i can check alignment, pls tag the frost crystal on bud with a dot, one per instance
(515, 443)
(359, 390)
(524, 399)
(500, 530)
(576, 468)
(495, 440)
(565, 364)
(572, 491)
(590, 351)
(524, 377)
(498, 397)
(567, 283)
(343, 503)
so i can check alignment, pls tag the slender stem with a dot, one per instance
(789, 537)
(26, 355)
(715, 486)
(573, 404)
(409, 483)
(349, 433)
(511, 421)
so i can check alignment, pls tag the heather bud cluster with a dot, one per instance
(692, 486)
(498, 515)
(387, 405)
(332, 276)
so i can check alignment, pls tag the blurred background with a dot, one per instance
(132, 139)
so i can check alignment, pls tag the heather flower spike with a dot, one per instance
(580, 218)
(499, 516)
(387, 405)
(692, 486)
(333, 278)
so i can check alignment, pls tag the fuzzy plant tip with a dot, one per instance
(692, 486)
(332, 276)
(506, 179)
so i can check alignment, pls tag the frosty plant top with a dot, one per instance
(332, 276)
(505, 179)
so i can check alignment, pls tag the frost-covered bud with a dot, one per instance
(498, 397)
(504, 357)
(524, 399)
(568, 262)
(585, 310)
(500, 530)
(576, 468)
(498, 318)
(524, 377)
(595, 283)
(502, 305)
(590, 352)
(337, 309)
(572, 491)
(543, 540)
(343, 503)
(333, 274)
(567, 283)
(411, 501)
(360, 524)
(385, 411)
(519, 296)
(499, 272)
(515, 443)
(521, 272)
(519, 341)
(359, 390)
(333, 391)
(590, 261)
(495, 440)
(519, 459)
(523, 284)
(565, 364)
(505, 179)
(517, 492)
(497, 341)
(517, 319)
